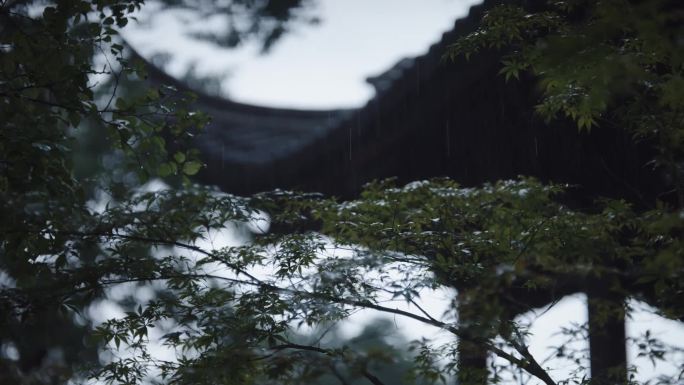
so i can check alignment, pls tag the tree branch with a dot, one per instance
(372, 378)
(529, 364)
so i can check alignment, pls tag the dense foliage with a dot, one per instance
(231, 315)
(47, 96)
(614, 63)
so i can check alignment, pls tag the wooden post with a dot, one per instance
(472, 356)
(607, 344)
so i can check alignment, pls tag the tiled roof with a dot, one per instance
(429, 118)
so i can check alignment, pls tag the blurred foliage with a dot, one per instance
(263, 20)
(232, 315)
(379, 343)
(47, 96)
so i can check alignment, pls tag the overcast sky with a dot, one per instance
(314, 66)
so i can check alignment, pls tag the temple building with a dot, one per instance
(430, 117)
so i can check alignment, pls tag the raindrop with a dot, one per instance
(358, 125)
(378, 122)
(448, 140)
(350, 142)
(418, 77)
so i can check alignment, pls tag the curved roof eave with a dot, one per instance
(244, 134)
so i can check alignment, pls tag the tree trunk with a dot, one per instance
(608, 354)
(472, 357)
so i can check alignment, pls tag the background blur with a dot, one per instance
(322, 62)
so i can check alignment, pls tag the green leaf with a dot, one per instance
(192, 167)
(117, 48)
(74, 118)
(153, 94)
(166, 169)
(60, 261)
(179, 157)
(121, 104)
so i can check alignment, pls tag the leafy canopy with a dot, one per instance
(230, 315)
